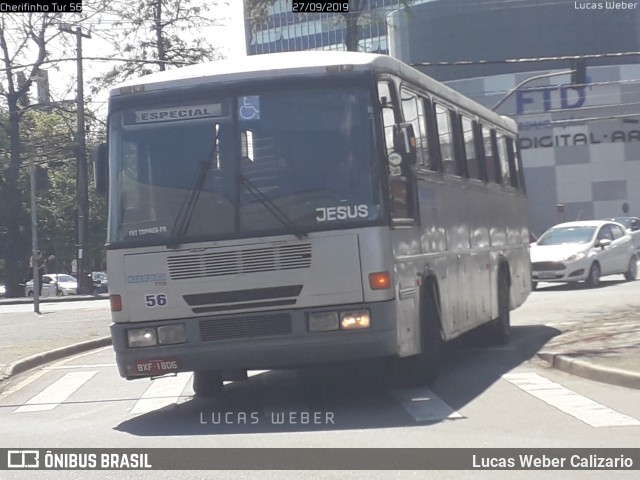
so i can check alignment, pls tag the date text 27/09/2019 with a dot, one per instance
(316, 6)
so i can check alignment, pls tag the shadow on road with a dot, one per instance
(341, 397)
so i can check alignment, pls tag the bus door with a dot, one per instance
(405, 235)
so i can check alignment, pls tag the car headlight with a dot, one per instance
(575, 256)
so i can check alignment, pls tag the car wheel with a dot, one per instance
(593, 280)
(30, 293)
(632, 271)
(534, 285)
(59, 293)
(207, 383)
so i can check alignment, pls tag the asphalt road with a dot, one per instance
(484, 397)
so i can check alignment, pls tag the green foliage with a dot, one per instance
(157, 35)
(48, 141)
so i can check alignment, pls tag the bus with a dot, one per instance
(304, 208)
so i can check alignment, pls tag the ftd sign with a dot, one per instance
(549, 98)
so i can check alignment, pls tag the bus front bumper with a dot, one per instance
(264, 350)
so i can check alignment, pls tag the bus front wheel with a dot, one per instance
(207, 383)
(422, 369)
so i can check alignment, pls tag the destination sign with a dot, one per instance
(178, 113)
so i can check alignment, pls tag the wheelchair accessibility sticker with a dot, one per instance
(249, 107)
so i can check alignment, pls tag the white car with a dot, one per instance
(54, 284)
(583, 251)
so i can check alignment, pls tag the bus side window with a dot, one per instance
(413, 111)
(388, 113)
(503, 156)
(490, 153)
(444, 136)
(514, 170)
(435, 159)
(459, 153)
(480, 153)
(469, 147)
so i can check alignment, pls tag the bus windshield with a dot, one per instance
(218, 167)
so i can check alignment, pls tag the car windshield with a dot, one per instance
(564, 235)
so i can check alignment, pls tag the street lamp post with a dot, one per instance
(82, 171)
(34, 238)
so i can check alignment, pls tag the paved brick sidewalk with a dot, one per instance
(604, 347)
(24, 333)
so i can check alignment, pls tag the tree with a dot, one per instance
(157, 34)
(50, 139)
(23, 50)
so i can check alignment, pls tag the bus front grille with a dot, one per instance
(234, 262)
(245, 327)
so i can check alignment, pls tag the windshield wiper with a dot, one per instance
(183, 218)
(272, 207)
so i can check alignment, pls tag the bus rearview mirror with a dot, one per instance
(100, 169)
(406, 142)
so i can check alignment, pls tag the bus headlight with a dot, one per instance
(323, 321)
(355, 320)
(171, 334)
(142, 337)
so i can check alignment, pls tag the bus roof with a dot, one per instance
(291, 64)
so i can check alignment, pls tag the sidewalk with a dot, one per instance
(605, 348)
(25, 344)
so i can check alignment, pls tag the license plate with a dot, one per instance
(151, 368)
(546, 275)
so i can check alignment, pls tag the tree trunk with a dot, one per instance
(351, 31)
(356, 9)
(157, 25)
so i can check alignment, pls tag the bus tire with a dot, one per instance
(499, 329)
(207, 383)
(422, 369)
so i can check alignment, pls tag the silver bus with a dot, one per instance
(304, 208)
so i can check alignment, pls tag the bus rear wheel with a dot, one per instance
(498, 330)
(422, 369)
(207, 383)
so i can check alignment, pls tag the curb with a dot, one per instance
(39, 359)
(586, 369)
(68, 298)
